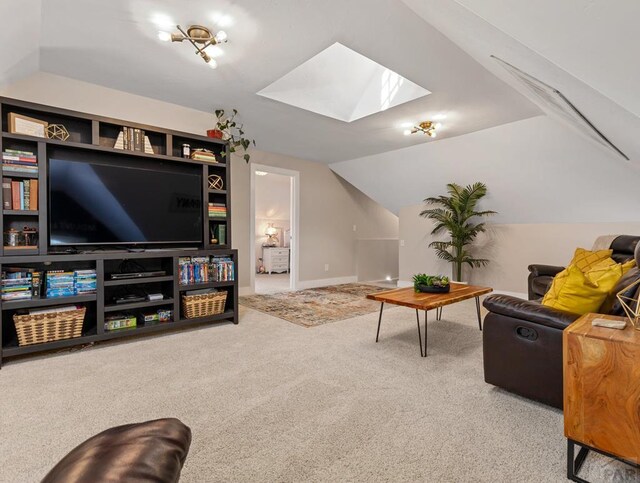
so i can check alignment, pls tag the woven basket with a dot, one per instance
(39, 328)
(203, 305)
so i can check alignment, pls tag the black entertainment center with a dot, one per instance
(145, 225)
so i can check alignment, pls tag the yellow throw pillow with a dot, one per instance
(628, 266)
(581, 293)
(585, 259)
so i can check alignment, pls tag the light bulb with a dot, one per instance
(433, 134)
(164, 36)
(438, 125)
(221, 36)
(212, 63)
(407, 132)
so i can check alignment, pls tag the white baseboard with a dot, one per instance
(302, 285)
(404, 283)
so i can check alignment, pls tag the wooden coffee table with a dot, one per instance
(407, 297)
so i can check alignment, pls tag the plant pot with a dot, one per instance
(215, 133)
(434, 289)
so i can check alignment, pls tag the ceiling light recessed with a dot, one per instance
(261, 173)
(343, 84)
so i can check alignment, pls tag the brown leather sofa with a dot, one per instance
(149, 452)
(540, 276)
(522, 341)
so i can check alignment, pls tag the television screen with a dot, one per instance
(97, 204)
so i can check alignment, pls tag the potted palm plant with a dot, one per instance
(456, 214)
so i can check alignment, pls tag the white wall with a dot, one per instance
(510, 247)
(537, 170)
(329, 205)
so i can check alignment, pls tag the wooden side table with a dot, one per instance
(601, 392)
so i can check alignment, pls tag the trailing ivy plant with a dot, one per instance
(233, 132)
(456, 214)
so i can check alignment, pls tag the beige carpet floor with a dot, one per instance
(271, 401)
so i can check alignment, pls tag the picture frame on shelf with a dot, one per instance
(19, 124)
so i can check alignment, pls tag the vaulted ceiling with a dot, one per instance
(495, 130)
(114, 43)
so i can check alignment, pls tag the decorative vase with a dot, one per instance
(434, 289)
(215, 133)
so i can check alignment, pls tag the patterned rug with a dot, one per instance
(317, 306)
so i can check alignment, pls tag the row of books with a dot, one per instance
(60, 283)
(217, 210)
(133, 139)
(19, 194)
(203, 155)
(20, 284)
(14, 160)
(205, 269)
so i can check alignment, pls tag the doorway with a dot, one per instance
(274, 203)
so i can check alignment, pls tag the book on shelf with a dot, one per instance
(20, 283)
(60, 283)
(12, 156)
(219, 232)
(19, 194)
(203, 155)
(194, 270)
(133, 139)
(217, 210)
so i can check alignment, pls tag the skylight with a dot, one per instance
(343, 84)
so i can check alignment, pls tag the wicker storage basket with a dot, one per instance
(39, 328)
(203, 305)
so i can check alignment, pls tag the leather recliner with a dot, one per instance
(149, 452)
(522, 340)
(540, 276)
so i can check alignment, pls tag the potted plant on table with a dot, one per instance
(229, 129)
(431, 283)
(456, 214)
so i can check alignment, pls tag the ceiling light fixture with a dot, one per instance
(425, 127)
(200, 37)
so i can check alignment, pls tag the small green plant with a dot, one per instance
(429, 281)
(233, 132)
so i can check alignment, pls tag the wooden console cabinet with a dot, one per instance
(92, 137)
(601, 391)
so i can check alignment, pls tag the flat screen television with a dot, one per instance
(92, 203)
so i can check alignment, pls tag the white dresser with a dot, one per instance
(275, 259)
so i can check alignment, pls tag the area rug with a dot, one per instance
(317, 306)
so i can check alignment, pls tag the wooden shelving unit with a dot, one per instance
(97, 135)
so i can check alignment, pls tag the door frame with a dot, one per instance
(294, 220)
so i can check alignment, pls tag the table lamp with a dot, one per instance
(271, 232)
